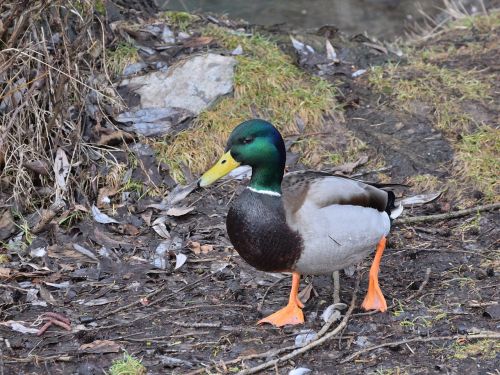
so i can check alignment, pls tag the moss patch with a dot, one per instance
(478, 161)
(128, 365)
(123, 55)
(267, 85)
(424, 183)
(181, 20)
(486, 349)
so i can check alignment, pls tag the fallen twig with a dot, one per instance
(448, 215)
(152, 294)
(261, 303)
(167, 310)
(422, 286)
(476, 253)
(195, 325)
(320, 340)
(13, 288)
(38, 359)
(487, 335)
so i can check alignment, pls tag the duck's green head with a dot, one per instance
(258, 144)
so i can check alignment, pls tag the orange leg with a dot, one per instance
(374, 299)
(291, 313)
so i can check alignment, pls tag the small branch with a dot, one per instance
(195, 325)
(152, 294)
(261, 303)
(449, 215)
(422, 286)
(13, 288)
(312, 344)
(487, 335)
(38, 359)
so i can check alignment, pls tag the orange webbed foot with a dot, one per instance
(291, 314)
(374, 299)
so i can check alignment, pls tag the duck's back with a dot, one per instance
(339, 220)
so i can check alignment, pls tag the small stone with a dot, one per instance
(492, 312)
(134, 68)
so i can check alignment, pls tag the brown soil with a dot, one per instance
(205, 318)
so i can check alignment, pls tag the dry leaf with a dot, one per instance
(349, 167)
(100, 217)
(195, 247)
(104, 194)
(61, 168)
(179, 211)
(18, 327)
(206, 248)
(4, 273)
(420, 199)
(38, 252)
(7, 226)
(100, 346)
(180, 259)
(196, 42)
(305, 337)
(305, 293)
(45, 218)
(330, 52)
(97, 302)
(79, 207)
(114, 138)
(126, 229)
(299, 371)
(162, 230)
(329, 312)
(179, 193)
(105, 240)
(218, 266)
(146, 216)
(84, 251)
(38, 166)
(47, 296)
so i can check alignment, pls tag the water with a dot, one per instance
(385, 19)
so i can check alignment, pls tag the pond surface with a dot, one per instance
(385, 19)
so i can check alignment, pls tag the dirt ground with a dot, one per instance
(205, 313)
(440, 278)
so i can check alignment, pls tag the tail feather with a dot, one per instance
(392, 210)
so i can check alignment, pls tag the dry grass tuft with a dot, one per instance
(443, 89)
(52, 89)
(478, 162)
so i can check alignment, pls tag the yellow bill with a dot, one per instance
(225, 165)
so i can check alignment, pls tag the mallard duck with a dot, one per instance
(303, 222)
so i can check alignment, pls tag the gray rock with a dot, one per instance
(167, 35)
(153, 122)
(194, 84)
(168, 98)
(134, 68)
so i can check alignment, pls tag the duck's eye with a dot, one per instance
(247, 140)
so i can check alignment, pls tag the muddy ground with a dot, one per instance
(440, 278)
(205, 313)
